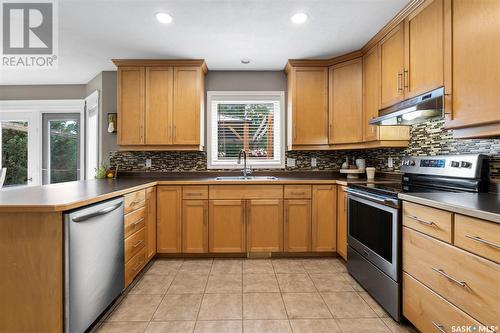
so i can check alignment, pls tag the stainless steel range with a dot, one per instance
(374, 219)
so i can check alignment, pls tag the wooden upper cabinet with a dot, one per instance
(342, 222)
(227, 229)
(131, 92)
(297, 227)
(371, 93)
(391, 54)
(195, 226)
(346, 102)
(308, 105)
(324, 218)
(188, 104)
(473, 71)
(169, 224)
(265, 225)
(159, 99)
(424, 57)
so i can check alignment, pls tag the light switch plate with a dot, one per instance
(148, 163)
(314, 162)
(290, 162)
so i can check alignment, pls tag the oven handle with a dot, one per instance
(372, 198)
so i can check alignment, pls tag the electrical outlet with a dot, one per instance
(314, 162)
(148, 163)
(290, 162)
(390, 163)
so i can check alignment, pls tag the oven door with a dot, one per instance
(374, 232)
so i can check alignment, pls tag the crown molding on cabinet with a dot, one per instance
(162, 62)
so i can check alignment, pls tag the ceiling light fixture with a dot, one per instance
(299, 18)
(164, 18)
(245, 61)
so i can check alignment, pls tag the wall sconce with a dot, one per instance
(112, 124)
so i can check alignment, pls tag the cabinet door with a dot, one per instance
(297, 225)
(195, 226)
(150, 222)
(309, 106)
(391, 52)
(265, 225)
(187, 105)
(424, 49)
(130, 99)
(371, 93)
(324, 218)
(342, 223)
(346, 104)
(474, 65)
(227, 229)
(159, 90)
(168, 238)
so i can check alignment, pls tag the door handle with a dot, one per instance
(103, 211)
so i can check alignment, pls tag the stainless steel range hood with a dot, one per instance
(412, 111)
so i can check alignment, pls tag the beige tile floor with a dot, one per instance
(248, 295)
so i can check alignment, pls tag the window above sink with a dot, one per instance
(252, 121)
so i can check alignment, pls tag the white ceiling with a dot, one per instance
(91, 32)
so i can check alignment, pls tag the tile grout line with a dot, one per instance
(203, 296)
(281, 295)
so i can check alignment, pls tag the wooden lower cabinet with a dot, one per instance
(297, 229)
(150, 220)
(342, 222)
(169, 219)
(227, 229)
(264, 225)
(195, 226)
(324, 218)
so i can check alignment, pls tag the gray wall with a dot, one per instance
(33, 92)
(245, 81)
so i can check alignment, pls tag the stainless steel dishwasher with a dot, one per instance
(94, 262)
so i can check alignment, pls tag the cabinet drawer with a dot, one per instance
(134, 221)
(297, 192)
(428, 311)
(464, 279)
(134, 266)
(195, 192)
(246, 192)
(430, 221)
(134, 200)
(134, 244)
(478, 236)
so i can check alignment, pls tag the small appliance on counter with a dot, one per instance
(375, 224)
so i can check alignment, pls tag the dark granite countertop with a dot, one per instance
(484, 206)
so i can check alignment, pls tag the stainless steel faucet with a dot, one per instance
(245, 171)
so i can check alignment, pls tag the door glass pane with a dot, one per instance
(372, 227)
(64, 151)
(15, 152)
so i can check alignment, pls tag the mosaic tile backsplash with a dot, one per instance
(429, 138)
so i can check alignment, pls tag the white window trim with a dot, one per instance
(37, 108)
(244, 96)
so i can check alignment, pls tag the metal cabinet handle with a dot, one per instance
(452, 279)
(297, 192)
(439, 327)
(419, 220)
(139, 264)
(483, 241)
(138, 221)
(406, 78)
(205, 215)
(194, 194)
(138, 243)
(104, 211)
(345, 203)
(295, 131)
(399, 79)
(174, 132)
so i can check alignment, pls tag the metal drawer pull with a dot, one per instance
(139, 264)
(138, 221)
(484, 241)
(194, 194)
(429, 223)
(439, 327)
(297, 193)
(443, 273)
(138, 243)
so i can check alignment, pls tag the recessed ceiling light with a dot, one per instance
(245, 61)
(164, 18)
(299, 18)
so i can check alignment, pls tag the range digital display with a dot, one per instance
(433, 163)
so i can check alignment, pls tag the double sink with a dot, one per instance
(239, 178)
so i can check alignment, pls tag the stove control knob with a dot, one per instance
(464, 164)
(455, 164)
